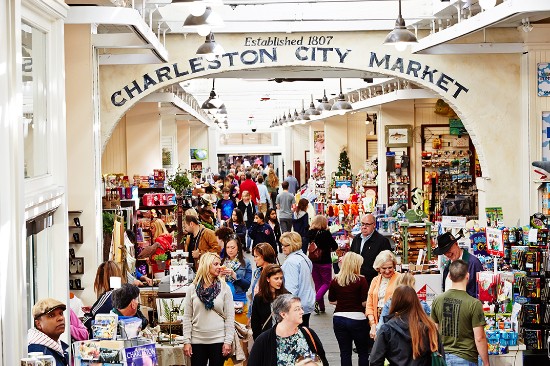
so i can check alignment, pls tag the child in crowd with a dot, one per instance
(226, 205)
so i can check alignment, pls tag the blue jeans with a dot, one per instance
(350, 330)
(453, 360)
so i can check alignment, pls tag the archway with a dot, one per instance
(463, 81)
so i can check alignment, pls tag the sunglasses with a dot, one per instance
(367, 223)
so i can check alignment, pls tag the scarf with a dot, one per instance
(34, 336)
(208, 294)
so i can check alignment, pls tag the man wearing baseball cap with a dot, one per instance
(447, 245)
(49, 324)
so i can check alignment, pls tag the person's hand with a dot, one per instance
(148, 280)
(138, 283)
(196, 253)
(187, 350)
(373, 331)
(226, 349)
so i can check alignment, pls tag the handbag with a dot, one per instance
(313, 251)
(316, 357)
(241, 338)
(438, 359)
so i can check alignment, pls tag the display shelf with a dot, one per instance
(414, 237)
(448, 171)
(397, 168)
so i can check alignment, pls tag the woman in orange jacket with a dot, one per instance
(381, 288)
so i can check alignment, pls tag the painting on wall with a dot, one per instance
(199, 154)
(319, 142)
(398, 136)
(543, 79)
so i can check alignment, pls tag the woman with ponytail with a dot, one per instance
(408, 336)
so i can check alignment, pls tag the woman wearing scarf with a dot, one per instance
(238, 274)
(207, 336)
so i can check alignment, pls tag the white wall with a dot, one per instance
(83, 160)
(143, 131)
(114, 157)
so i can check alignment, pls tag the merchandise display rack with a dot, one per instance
(76, 238)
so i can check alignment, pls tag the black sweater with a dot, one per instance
(324, 240)
(264, 351)
(261, 310)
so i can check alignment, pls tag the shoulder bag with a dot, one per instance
(438, 359)
(242, 337)
(313, 251)
(315, 357)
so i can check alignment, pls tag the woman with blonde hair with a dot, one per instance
(297, 272)
(405, 279)
(272, 184)
(409, 336)
(381, 287)
(322, 267)
(349, 291)
(157, 228)
(209, 314)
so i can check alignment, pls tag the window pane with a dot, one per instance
(34, 101)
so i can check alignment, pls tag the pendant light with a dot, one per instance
(290, 118)
(400, 36)
(208, 105)
(325, 104)
(204, 23)
(341, 104)
(303, 116)
(312, 111)
(210, 49)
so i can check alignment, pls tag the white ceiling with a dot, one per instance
(243, 97)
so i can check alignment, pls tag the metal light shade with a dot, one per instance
(208, 18)
(210, 47)
(341, 104)
(208, 104)
(400, 36)
(290, 118)
(312, 111)
(325, 104)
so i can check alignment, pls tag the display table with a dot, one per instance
(514, 357)
(171, 355)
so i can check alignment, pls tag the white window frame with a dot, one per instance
(43, 192)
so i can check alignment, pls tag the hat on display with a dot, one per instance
(45, 306)
(444, 242)
(206, 185)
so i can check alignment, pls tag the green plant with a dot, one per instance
(160, 257)
(170, 310)
(180, 181)
(108, 222)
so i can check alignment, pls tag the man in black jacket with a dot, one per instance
(369, 244)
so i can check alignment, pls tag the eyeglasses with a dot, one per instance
(367, 223)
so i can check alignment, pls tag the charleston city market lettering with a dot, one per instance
(265, 56)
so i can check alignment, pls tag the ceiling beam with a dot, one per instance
(127, 59)
(118, 16)
(501, 12)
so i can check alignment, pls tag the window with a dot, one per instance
(35, 117)
(39, 259)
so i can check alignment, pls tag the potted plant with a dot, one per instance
(180, 183)
(160, 260)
